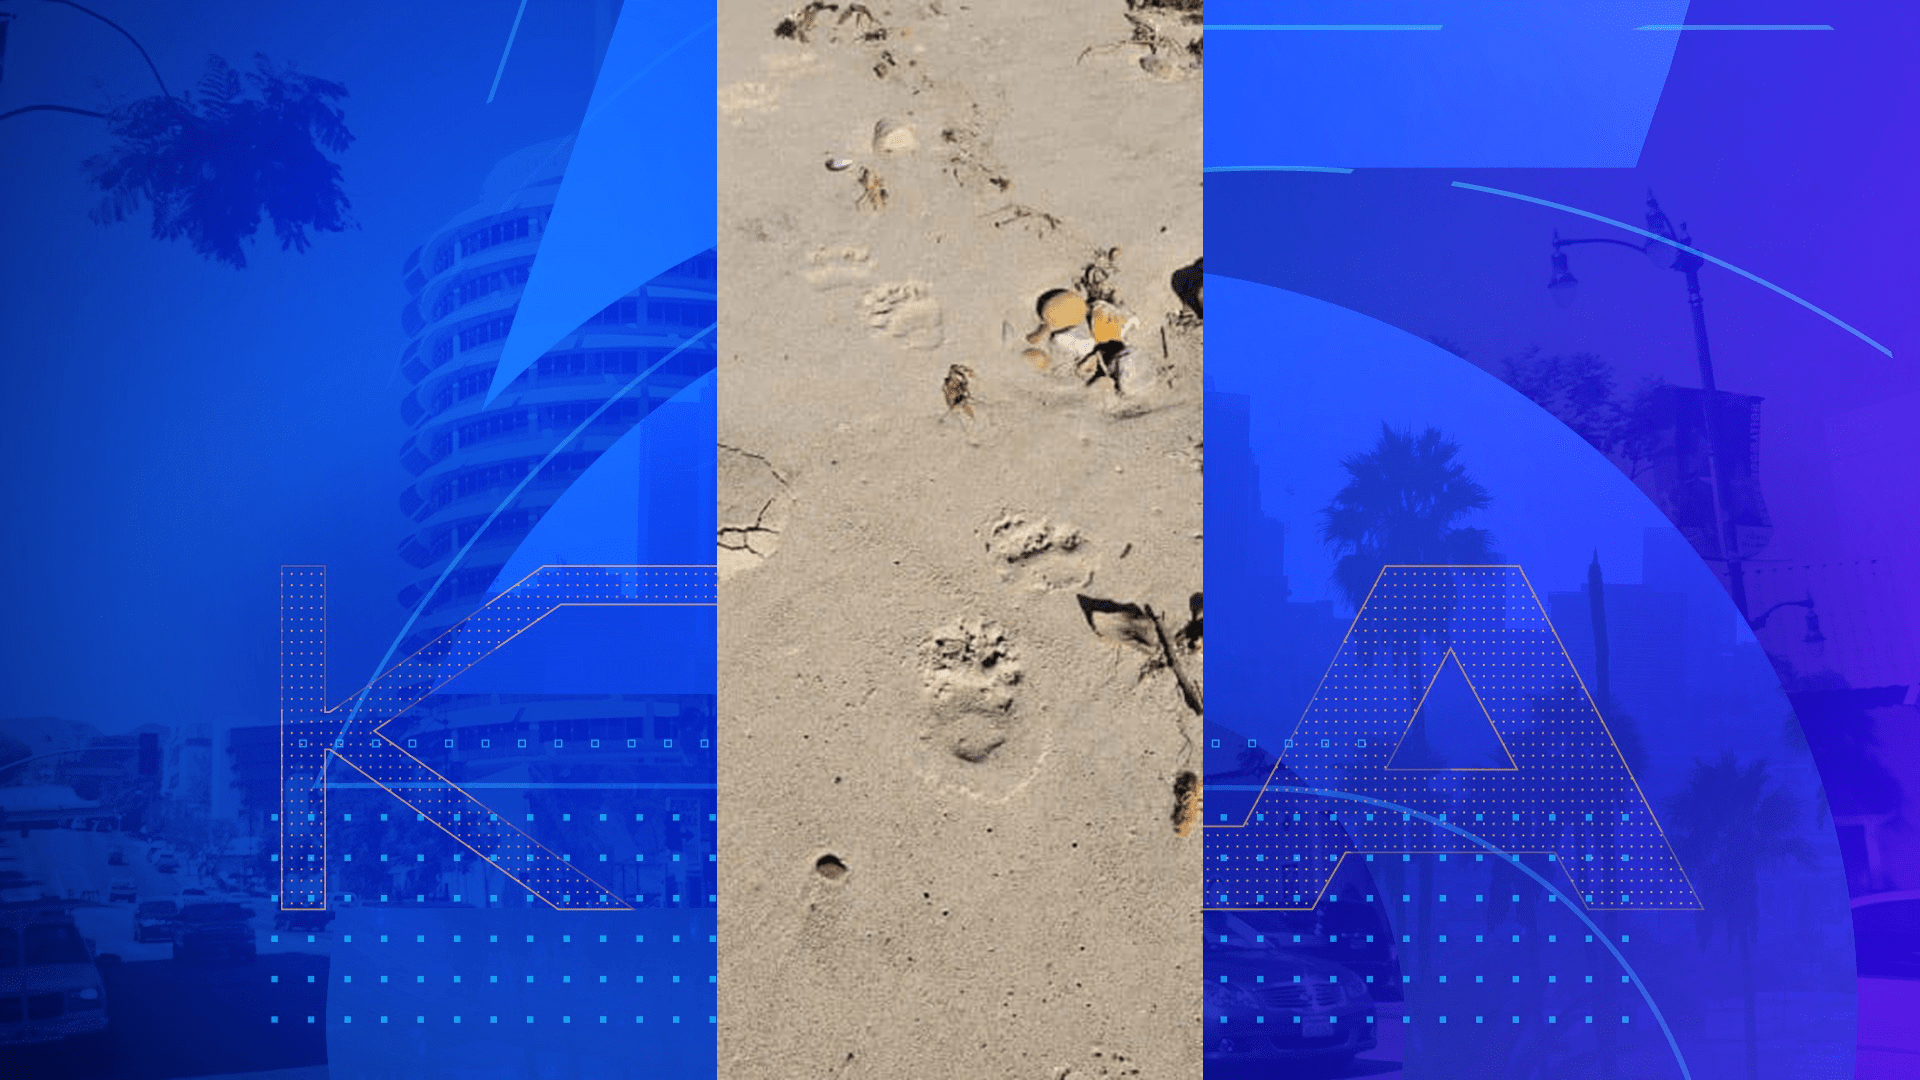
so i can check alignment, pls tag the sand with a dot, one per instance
(957, 590)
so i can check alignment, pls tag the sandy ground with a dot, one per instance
(959, 645)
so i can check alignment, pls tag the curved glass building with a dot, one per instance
(554, 756)
(467, 457)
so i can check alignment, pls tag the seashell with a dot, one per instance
(1039, 359)
(1040, 334)
(1062, 308)
(839, 164)
(893, 137)
(1111, 322)
(1070, 346)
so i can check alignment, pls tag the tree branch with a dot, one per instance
(123, 33)
(52, 108)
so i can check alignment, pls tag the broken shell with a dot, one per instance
(1039, 334)
(1062, 308)
(1070, 346)
(839, 164)
(892, 137)
(1111, 322)
(1038, 358)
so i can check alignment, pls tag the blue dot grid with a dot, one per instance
(1569, 793)
(589, 981)
(310, 730)
(1465, 974)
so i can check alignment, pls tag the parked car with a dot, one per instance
(167, 862)
(1268, 1005)
(50, 987)
(121, 888)
(1355, 934)
(218, 929)
(117, 857)
(153, 920)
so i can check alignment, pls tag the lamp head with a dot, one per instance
(1561, 282)
(1664, 256)
(1813, 636)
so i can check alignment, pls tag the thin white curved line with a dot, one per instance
(1722, 263)
(360, 697)
(1601, 935)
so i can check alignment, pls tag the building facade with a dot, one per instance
(643, 761)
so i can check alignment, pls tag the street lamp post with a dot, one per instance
(1813, 636)
(1667, 255)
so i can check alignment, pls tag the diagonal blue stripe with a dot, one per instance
(506, 52)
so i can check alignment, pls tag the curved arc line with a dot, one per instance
(421, 607)
(1715, 260)
(1514, 860)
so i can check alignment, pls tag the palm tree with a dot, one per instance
(213, 161)
(1403, 502)
(1729, 825)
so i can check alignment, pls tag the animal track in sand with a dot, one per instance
(970, 670)
(907, 312)
(838, 267)
(975, 736)
(746, 97)
(755, 502)
(1038, 553)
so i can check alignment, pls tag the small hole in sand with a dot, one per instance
(830, 867)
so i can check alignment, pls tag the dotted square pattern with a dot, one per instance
(310, 729)
(1568, 795)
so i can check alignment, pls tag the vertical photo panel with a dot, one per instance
(959, 538)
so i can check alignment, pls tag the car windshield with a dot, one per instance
(214, 913)
(158, 907)
(52, 943)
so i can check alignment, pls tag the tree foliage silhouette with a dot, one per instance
(1404, 502)
(1730, 825)
(212, 163)
(1580, 391)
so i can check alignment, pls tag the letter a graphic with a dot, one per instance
(1335, 791)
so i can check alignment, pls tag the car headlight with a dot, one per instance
(87, 997)
(1353, 991)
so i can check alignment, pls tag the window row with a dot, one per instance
(466, 292)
